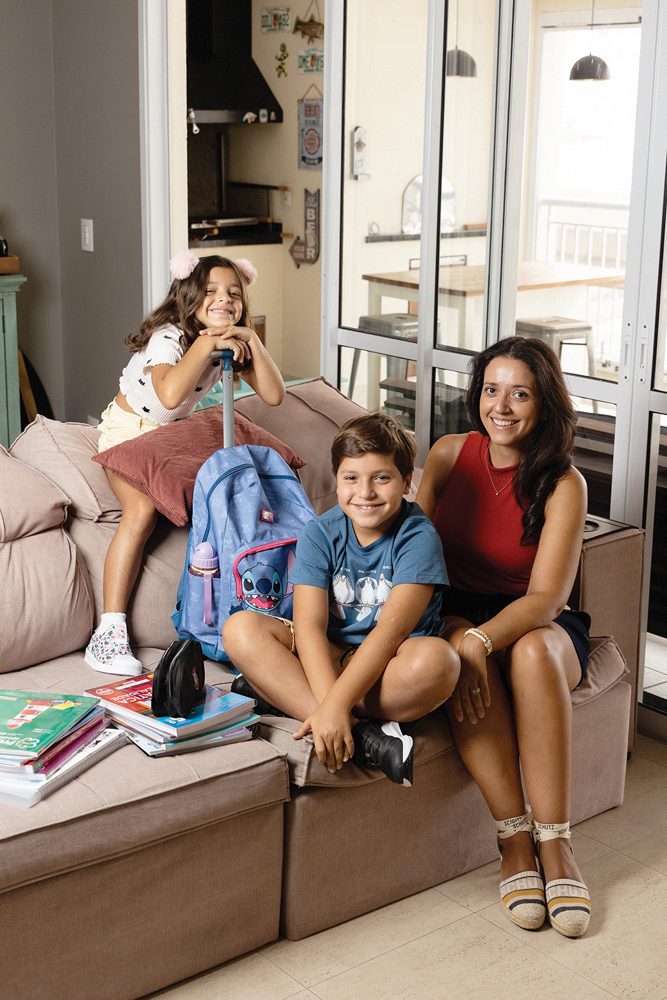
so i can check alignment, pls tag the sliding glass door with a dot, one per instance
(478, 185)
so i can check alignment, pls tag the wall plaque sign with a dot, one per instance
(311, 60)
(307, 250)
(275, 19)
(310, 133)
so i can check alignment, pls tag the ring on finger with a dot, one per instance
(475, 690)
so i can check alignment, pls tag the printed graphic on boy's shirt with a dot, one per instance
(360, 602)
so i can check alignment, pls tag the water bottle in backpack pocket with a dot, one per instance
(247, 513)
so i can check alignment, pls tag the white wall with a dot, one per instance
(69, 126)
(28, 191)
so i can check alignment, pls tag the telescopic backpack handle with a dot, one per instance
(227, 379)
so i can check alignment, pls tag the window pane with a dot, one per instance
(380, 383)
(655, 670)
(466, 152)
(383, 129)
(449, 415)
(594, 451)
(576, 188)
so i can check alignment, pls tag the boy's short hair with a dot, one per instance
(374, 433)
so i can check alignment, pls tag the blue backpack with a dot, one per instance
(248, 510)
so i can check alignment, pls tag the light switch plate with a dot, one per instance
(87, 242)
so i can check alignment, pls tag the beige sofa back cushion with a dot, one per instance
(29, 502)
(63, 452)
(46, 602)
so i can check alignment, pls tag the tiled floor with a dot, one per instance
(655, 669)
(454, 943)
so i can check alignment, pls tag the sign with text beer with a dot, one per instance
(307, 250)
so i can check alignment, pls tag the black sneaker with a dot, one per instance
(241, 686)
(383, 745)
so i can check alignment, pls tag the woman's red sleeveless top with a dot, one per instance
(478, 519)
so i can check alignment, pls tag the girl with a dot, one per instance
(175, 361)
(510, 510)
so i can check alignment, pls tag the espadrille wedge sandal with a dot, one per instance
(522, 895)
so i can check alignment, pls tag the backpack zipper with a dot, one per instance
(230, 472)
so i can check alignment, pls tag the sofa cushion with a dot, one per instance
(308, 418)
(46, 601)
(29, 502)
(606, 666)
(63, 452)
(129, 800)
(164, 463)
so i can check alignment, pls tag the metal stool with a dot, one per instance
(556, 331)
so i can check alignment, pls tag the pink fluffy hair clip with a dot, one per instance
(247, 270)
(182, 265)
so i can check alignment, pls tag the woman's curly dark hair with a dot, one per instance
(548, 451)
(182, 301)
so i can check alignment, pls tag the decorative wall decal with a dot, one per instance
(275, 19)
(281, 59)
(307, 251)
(312, 28)
(310, 130)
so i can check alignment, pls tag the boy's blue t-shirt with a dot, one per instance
(359, 578)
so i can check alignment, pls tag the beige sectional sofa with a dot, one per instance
(142, 872)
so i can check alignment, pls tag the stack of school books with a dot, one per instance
(46, 740)
(220, 718)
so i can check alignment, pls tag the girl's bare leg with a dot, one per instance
(543, 669)
(124, 555)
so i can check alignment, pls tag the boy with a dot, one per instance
(367, 592)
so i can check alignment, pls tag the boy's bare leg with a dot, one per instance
(259, 646)
(420, 677)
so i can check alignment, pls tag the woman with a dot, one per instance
(510, 510)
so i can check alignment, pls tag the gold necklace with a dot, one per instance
(493, 485)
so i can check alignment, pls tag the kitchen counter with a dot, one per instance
(233, 236)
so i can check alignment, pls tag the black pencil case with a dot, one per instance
(178, 680)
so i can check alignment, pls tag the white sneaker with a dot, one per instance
(109, 651)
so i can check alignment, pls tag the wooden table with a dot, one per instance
(458, 282)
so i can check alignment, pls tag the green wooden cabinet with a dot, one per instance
(10, 397)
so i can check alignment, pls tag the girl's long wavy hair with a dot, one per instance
(547, 454)
(182, 301)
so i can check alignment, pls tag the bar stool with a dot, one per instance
(558, 330)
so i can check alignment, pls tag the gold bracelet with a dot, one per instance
(482, 636)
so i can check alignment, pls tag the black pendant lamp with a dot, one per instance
(458, 62)
(590, 67)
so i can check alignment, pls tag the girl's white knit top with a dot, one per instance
(136, 382)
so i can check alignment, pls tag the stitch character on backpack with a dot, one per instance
(175, 362)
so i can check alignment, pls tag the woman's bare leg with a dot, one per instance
(490, 753)
(124, 555)
(543, 668)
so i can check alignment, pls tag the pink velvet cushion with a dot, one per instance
(163, 463)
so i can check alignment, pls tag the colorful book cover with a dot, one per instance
(130, 699)
(31, 721)
(26, 793)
